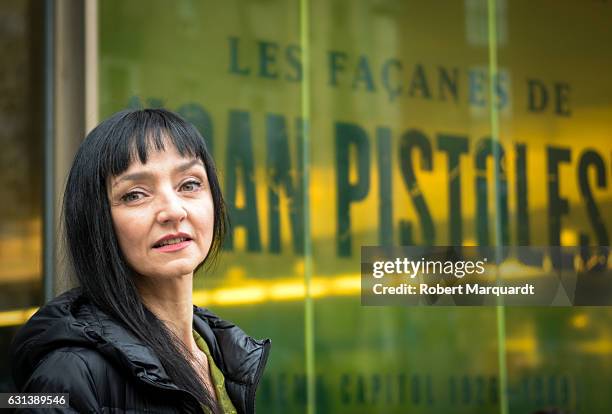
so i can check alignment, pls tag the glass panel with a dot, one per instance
(21, 159)
(233, 69)
(556, 132)
(403, 141)
(400, 115)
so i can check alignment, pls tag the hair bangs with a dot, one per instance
(147, 131)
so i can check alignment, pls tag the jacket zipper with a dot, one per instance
(258, 373)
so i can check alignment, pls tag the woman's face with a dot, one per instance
(163, 214)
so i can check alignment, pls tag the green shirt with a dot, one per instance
(217, 378)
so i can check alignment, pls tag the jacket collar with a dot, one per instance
(238, 356)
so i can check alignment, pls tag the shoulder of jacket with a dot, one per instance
(72, 370)
(71, 359)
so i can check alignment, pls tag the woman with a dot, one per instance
(143, 211)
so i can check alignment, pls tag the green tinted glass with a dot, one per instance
(459, 123)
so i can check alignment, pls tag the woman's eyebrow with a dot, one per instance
(143, 175)
(137, 176)
(188, 165)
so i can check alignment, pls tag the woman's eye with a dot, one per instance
(191, 186)
(132, 196)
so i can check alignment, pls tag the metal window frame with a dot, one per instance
(71, 110)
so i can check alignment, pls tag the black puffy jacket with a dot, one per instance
(71, 346)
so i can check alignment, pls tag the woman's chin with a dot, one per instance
(170, 271)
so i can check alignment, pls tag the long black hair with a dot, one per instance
(99, 265)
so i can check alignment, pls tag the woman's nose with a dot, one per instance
(171, 209)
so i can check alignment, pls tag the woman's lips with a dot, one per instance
(173, 247)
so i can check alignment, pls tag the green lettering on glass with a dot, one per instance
(485, 148)
(385, 187)
(448, 83)
(281, 176)
(336, 65)
(268, 52)
(363, 75)
(201, 119)
(234, 64)
(419, 83)
(454, 146)
(557, 205)
(293, 56)
(591, 159)
(416, 140)
(240, 159)
(347, 136)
